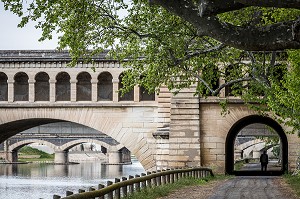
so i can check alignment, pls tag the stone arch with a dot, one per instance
(105, 87)
(252, 150)
(249, 144)
(129, 96)
(127, 126)
(21, 87)
(3, 87)
(240, 124)
(73, 143)
(16, 146)
(84, 87)
(42, 87)
(63, 87)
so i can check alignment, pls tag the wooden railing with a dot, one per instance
(128, 186)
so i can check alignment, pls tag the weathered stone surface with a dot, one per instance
(188, 130)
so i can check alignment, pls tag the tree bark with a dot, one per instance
(213, 7)
(280, 36)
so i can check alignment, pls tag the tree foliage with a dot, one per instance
(179, 43)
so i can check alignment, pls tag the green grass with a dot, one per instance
(238, 166)
(294, 182)
(27, 150)
(164, 190)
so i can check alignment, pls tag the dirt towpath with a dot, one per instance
(242, 187)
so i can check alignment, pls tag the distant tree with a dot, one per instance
(178, 43)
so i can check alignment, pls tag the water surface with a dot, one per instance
(34, 181)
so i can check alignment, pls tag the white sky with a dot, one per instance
(14, 38)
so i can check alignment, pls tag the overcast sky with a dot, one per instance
(14, 38)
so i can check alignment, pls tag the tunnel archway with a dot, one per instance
(236, 128)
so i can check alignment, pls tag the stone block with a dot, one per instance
(217, 139)
(210, 158)
(221, 145)
(210, 145)
(184, 146)
(217, 151)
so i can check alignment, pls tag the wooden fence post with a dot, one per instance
(154, 180)
(101, 186)
(117, 191)
(137, 185)
(158, 179)
(110, 195)
(130, 187)
(143, 183)
(124, 189)
(68, 193)
(149, 181)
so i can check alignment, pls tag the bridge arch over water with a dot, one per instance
(16, 146)
(127, 125)
(61, 151)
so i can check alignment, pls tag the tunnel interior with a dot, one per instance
(230, 145)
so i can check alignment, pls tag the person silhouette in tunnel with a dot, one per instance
(264, 160)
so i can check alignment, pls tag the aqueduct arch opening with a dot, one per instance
(118, 123)
(19, 145)
(237, 127)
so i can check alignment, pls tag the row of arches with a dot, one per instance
(104, 87)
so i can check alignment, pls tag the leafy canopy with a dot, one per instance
(183, 43)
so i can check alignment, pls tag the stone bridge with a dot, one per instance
(62, 143)
(162, 131)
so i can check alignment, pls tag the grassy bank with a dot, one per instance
(294, 182)
(164, 190)
(29, 154)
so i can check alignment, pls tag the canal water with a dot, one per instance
(34, 181)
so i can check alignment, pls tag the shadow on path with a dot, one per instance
(253, 169)
(253, 187)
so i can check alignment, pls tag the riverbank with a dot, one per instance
(29, 154)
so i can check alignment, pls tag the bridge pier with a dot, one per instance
(238, 154)
(256, 154)
(11, 156)
(114, 157)
(61, 157)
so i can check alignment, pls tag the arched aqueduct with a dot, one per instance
(162, 131)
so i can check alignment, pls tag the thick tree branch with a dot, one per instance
(271, 3)
(217, 91)
(213, 7)
(285, 35)
(196, 53)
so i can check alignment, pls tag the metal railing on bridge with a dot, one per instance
(134, 184)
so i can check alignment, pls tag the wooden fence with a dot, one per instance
(126, 187)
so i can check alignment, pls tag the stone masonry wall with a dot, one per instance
(184, 135)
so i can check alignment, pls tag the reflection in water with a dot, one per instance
(43, 180)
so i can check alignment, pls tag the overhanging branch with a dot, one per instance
(284, 35)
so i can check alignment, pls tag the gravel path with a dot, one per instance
(247, 187)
